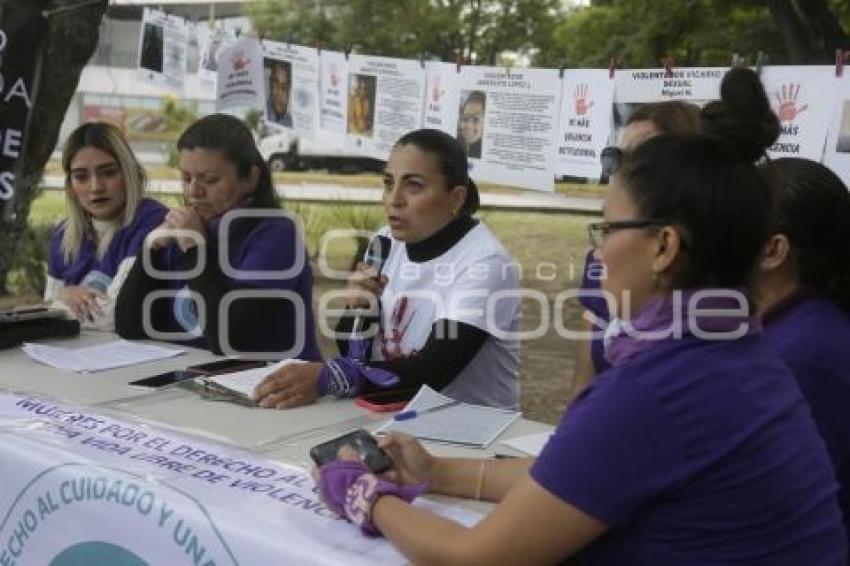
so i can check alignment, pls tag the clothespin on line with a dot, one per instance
(667, 63)
(842, 57)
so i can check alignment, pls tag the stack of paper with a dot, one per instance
(453, 422)
(111, 355)
(531, 444)
(243, 382)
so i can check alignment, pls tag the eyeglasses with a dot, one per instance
(610, 159)
(598, 232)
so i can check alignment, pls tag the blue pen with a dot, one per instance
(413, 413)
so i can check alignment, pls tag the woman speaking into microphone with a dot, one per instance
(447, 291)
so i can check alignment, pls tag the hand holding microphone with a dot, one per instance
(367, 285)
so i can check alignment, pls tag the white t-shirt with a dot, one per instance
(474, 282)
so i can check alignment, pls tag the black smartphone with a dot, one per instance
(225, 366)
(162, 379)
(362, 442)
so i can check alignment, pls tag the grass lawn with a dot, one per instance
(364, 180)
(549, 249)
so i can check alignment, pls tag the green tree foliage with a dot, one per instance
(475, 30)
(701, 32)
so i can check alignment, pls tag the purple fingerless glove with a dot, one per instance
(350, 489)
(345, 377)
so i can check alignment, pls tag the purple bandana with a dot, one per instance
(345, 377)
(709, 314)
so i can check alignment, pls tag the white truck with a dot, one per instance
(285, 151)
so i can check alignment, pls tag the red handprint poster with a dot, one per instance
(584, 122)
(803, 99)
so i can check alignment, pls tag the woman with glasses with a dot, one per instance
(803, 291)
(470, 130)
(696, 447)
(93, 250)
(670, 117)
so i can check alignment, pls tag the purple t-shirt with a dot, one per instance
(812, 335)
(591, 284)
(267, 244)
(698, 452)
(88, 271)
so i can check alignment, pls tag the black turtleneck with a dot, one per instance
(445, 353)
(437, 244)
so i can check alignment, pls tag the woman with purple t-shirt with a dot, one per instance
(93, 249)
(803, 291)
(228, 270)
(696, 446)
(668, 117)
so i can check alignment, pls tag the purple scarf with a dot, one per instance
(708, 314)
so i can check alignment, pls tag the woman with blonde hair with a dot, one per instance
(93, 249)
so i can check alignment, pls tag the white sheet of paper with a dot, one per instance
(244, 382)
(531, 444)
(116, 354)
(464, 424)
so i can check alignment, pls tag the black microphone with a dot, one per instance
(376, 256)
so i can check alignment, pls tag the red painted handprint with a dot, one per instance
(580, 96)
(787, 98)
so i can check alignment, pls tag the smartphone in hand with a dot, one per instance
(362, 442)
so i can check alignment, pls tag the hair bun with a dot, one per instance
(742, 120)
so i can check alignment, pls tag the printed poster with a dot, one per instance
(584, 122)
(442, 97)
(240, 76)
(162, 49)
(291, 80)
(507, 123)
(837, 154)
(634, 87)
(333, 98)
(385, 99)
(211, 41)
(22, 31)
(803, 98)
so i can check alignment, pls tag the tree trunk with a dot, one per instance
(70, 40)
(826, 26)
(792, 31)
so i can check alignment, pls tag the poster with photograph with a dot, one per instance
(837, 153)
(162, 49)
(385, 98)
(442, 97)
(584, 123)
(635, 87)
(240, 76)
(507, 124)
(211, 41)
(333, 98)
(803, 99)
(291, 80)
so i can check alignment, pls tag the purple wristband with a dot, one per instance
(345, 377)
(350, 489)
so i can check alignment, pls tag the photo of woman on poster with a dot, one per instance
(361, 104)
(470, 123)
